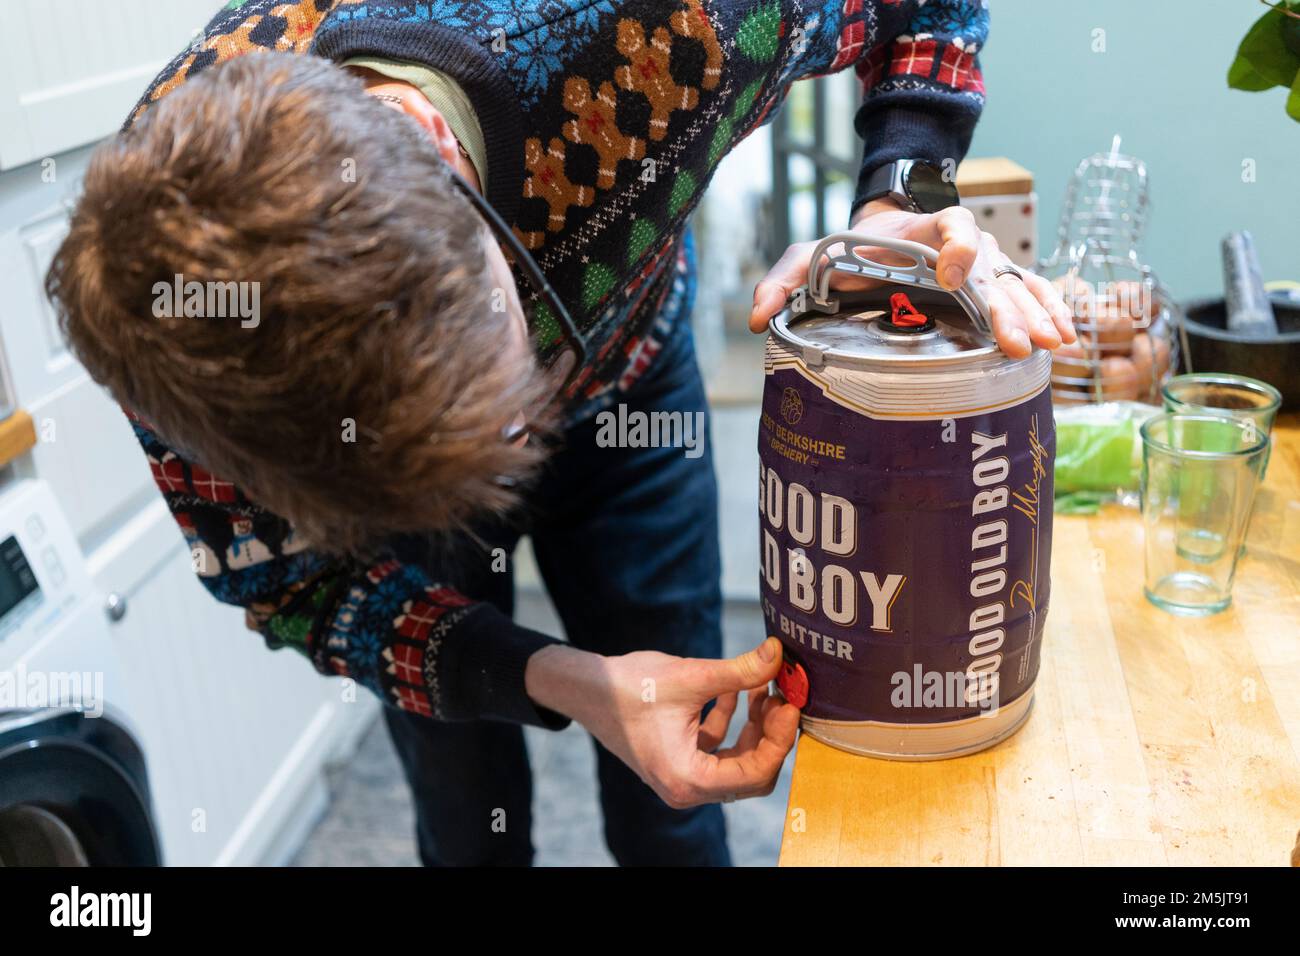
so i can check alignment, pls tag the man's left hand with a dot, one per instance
(1023, 313)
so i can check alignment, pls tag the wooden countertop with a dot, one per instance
(1153, 740)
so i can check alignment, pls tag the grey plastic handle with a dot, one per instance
(919, 273)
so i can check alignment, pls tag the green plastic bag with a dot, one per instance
(1098, 454)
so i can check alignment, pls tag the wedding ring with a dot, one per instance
(1007, 270)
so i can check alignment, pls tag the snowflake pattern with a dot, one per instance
(966, 19)
(539, 38)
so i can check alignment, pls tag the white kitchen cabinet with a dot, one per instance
(70, 70)
(86, 450)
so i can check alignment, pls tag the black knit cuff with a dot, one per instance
(936, 134)
(481, 672)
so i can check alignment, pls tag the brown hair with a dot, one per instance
(375, 306)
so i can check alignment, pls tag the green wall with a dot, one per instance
(1161, 85)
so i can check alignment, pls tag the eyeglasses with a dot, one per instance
(575, 349)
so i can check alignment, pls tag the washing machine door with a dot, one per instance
(73, 792)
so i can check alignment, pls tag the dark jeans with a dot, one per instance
(627, 543)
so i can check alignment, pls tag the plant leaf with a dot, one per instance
(1265, 55)
(1242, 76)
(1293, 101)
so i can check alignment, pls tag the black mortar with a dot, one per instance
(1275, 359)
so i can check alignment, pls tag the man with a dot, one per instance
(377, 435)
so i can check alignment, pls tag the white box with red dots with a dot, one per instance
(1001, 195)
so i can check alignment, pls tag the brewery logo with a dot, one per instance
(791, 406)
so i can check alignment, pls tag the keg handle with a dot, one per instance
(919, 273)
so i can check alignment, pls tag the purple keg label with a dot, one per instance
(905, 563)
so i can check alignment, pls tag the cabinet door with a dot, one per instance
(74, 68)
(233, 732)
(85, 450)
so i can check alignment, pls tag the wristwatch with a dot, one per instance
(913, 184)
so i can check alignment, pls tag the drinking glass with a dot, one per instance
(1221, 393)
(1199, 475)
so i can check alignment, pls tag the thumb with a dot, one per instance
(744, 672)
(790, 272)
(769, 297)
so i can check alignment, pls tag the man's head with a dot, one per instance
(369, 394)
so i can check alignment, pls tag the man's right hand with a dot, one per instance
(644, 707)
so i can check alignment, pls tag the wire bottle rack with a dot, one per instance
(1127, 320)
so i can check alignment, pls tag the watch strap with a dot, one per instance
(885, 181)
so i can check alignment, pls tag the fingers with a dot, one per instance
(959, 240)
(1024, 311)
(1037, 322)
(706, 774)
(751, 767)
(1008, 326)
(754, 668)
(790, 272)
(713, 729)
(757, 697)
(761, 703)
(1049, 297)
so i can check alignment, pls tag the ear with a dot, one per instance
(435, 124)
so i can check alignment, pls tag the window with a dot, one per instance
(816, 155)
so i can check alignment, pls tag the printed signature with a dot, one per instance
(1027, 503)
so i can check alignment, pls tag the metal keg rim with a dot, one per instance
(784, 326)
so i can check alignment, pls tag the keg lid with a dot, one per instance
(924, 324)
(863, 329)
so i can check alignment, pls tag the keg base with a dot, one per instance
(954, 738)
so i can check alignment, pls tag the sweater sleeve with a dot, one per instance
(418, 644)
(922, 89)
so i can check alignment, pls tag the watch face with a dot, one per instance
(927, 188)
